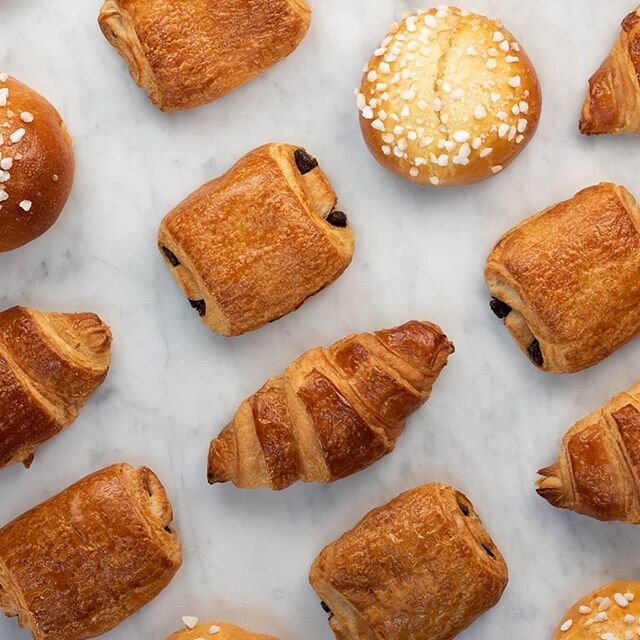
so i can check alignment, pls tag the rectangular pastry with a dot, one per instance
(419, 568)
(254, 244)
(80, 563)
(184, 54)
(566, 280)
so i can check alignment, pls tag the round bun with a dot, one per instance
(613, 611)
(36, 164)
(216, 631)
(449, 98)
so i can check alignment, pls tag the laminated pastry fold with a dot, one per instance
(612, 104)
(185, 54)
(77, 565)
(421, 567)
(217, 631)
(254, 244)
(50, 363)
(565, 281)
(598, 470)
(611, 612)
(333, 412)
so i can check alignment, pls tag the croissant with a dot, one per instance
(254, 244)
(185, 53)
(80, 563)
(422, 567)
(613, 101)
(333, 412)
(598, 473)
(50, 363)
(215, 631)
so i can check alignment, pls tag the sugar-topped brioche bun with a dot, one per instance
(611, 612)
(36, 164)
(449, 98)
(196, 630)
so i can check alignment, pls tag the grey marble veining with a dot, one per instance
(492, 421)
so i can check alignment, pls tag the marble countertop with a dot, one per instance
(493, 419)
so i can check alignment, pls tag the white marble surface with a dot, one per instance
(493, 419)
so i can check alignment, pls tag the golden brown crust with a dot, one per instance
(254, 244)
(333, 412)
(612, 104)
(610, 612)
(449, 98)
(77, 565)
(185, 54)
(50, 363)
(420, 567)
(598, 472)
(224, 631)
(569, 277)
(41, 165)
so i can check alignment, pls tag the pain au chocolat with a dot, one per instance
(254, 244)
(565, 281)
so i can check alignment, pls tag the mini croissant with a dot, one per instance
(598, 473)
(50, 363)
(333, 412)
(613, 102)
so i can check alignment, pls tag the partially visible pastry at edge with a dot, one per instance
(449, 98)
(254, 244)
(80, 563)
(611, 612)
(598, 471)
(36, 164)
(50, 363)
(185, 54)
(565, 281)
(612, 104)
(421, 567)
(333, 412)
(196, 630)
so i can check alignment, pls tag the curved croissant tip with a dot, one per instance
(550, 486)
(217, 469)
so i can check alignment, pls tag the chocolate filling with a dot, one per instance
(199, 305)
(535, 353)
(325, 606)
(337, 219)
(489, 552)
(171, 257)
(464, 509)
(501, 309)
(304, 161)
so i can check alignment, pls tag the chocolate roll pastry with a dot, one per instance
(421, 567)
(185, 54)
(565, 281)
(77, 565)
(254, 244)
